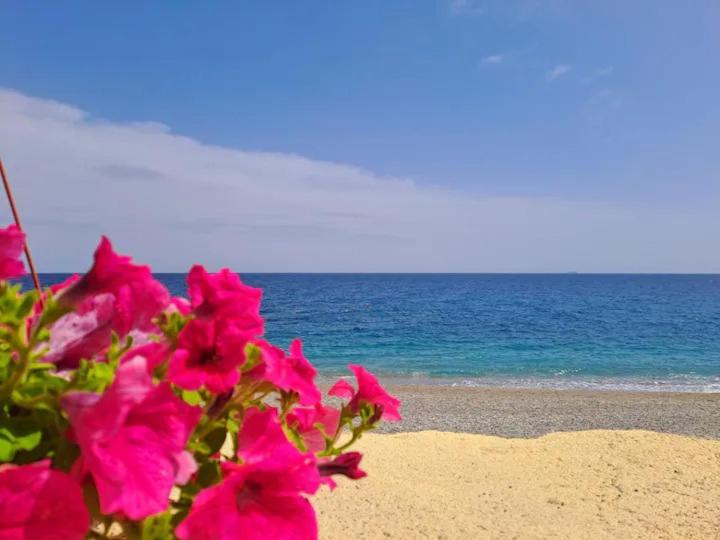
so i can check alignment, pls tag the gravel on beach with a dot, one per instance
(531, 412)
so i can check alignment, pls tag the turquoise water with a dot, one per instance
(650, 332)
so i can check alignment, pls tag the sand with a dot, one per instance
(586, 484)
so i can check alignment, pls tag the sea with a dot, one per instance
(595, 331)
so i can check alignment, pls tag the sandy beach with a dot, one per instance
(566, 464)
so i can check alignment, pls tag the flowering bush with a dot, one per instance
(127, 413)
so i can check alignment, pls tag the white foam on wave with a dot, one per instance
(685, 383)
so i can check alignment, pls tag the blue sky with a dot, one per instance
(609, 104)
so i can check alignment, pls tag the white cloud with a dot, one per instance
(493, 59)
(171, 201)
(599, 73)
(557, 72)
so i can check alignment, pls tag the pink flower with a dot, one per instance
(137, 304)
(87, 331)
(262, 498)
(82, 334)
(288, 372)
(12, 241)
(208, 354)
(369, 392)
(223, 295)
(347, 464)
(180, 305)
(108, 273)
(40, 503)
(132, 441)
(155, 353)
(313, 424)
(114, 296)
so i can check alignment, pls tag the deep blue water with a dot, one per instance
(629, 331)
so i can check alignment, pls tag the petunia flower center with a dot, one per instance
(207, 357)
(249, 493)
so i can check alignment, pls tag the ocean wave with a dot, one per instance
(668, 384)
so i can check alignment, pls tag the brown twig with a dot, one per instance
(16, 215)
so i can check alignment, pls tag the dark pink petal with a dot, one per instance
(114, 296)
(313, 423)
(371, 391)
(108, 273)
(12, 241)
(291, 373)
(209, 354)
(347, 464)
(82, 334)
(155, 353)
(40, 503)
(223, 295)
(262, 497)
(132, 440)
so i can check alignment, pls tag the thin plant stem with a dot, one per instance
(16, 216)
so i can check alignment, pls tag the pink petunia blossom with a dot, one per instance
(82, 334)
(347, 464)
(108, 273)
(180, 305)
(132, 440)
(262, 498)
(209, 353)
(87, 331)
(223, 295)
(137, 304)
(12, 241)
(290, 372)
(114, 296)
(154, 352)
(40, 503)
(369, 391)
(313, 424)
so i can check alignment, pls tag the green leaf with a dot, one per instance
(18, 434)
(208, 474)
(51, 312)
(93, 376)
(157, 527)
(192, 397)
(253, 356)
(215, 439)
(40, 390)
(65, 455)
(25, 306)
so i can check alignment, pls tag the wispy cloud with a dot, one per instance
(493, 59)
(171, 201)
(600, 107)
(557, 72)
(599, 73)
(467, 7)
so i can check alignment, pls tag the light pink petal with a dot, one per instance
(342, 389)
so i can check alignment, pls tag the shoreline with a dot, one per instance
(526, 413)
(694, 384)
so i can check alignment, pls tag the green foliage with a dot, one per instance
(17, 434)
(171, 324)
(157, 527)
(93, 376)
